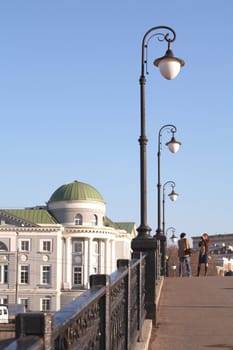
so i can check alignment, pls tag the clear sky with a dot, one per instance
(70, 108)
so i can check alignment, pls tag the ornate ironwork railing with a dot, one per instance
(109, 316)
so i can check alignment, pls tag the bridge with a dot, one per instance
(194, 313)
(117, 313)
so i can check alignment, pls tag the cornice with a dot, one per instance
(29, 229)
(102, 230)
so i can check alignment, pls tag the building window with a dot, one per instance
(3, 274)
(25, 302)
(95, 245)
(45, 304)
(77, 247)
(24, 245)
(77, 276)
(78, 220)
(95, 256)
(24, 274)
(45, 274)
(94, 220)
(3, 300)
(46, 245)
(3, 247)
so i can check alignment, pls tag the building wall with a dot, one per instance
(216, 241)
(101, 247)
(34, 259)
(65, 212)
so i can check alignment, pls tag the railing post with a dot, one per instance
(138, 255)
(158, 260)
(151, 284)
(148, 247)
(125, 264)
(38, 323)
(48, 331)
(105, 315)
(141, 297)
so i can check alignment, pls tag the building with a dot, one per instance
(219, 243)
(47, 253)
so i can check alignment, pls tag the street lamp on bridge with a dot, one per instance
(173, 147)
(173, 197)
(173, 237)
(169, 67)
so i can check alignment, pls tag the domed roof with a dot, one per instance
(75, 191)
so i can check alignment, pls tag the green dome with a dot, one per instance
(76, 191)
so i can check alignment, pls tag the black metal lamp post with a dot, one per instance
(169, 67)
(173, 238)
(173, 146)
(173, 197)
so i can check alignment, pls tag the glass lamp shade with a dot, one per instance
(169, 65)
(173, 238)
(173, 196)
(173, 145)
(169, 68)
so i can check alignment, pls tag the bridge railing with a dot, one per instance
(109, 316)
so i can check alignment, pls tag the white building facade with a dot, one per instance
(48, 253)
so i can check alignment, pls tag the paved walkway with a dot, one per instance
(195, 313)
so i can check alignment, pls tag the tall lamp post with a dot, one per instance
(173, 147)
(173, 197)
(173, 238)
(169, 67)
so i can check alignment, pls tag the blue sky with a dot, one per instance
(69, 106)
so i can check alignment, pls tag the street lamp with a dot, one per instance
(173, 237)
(173, 147)
(169, 67)
(173, 197)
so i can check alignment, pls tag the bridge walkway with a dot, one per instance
(194, 313)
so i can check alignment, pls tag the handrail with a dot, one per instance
(107, 316)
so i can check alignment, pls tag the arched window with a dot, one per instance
(94, 220)
(3, 246)
(78, 220)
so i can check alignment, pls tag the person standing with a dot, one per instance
(203, 253)
(184, 255)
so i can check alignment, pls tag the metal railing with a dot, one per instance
(109, 316)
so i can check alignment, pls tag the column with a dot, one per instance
(107, 257)
(68, 277)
